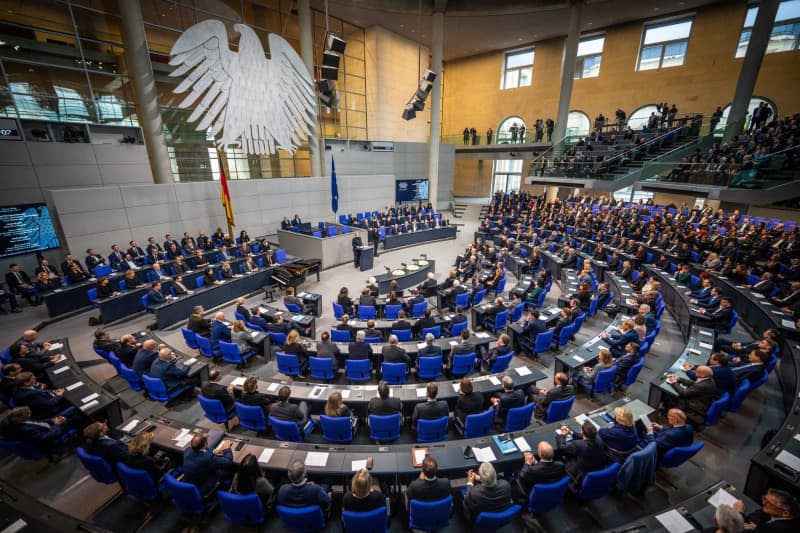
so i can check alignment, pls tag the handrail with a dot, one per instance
(640, 146)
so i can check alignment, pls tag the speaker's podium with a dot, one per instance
(365, 258)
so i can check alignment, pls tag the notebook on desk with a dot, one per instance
(418, 455)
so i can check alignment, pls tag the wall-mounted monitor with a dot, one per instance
(411, 190)
(25, 229)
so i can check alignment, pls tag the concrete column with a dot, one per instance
(141, 72)
(759, 39)
(435, 100)
(307, 53)
(568, 69)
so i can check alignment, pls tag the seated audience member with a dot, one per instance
(144, 358)
(639, 327)
(415, 298)
(214, 391)
(507, 398)
(485, 492)
(401, 323)
(503, 347)
(724, 379)
(363, 496)
(139, 456)
(8, 383)
(46, 267)
(76, 274)
(299, 492)
(582, 454)
(97, 442)
(44, 435)
(290, 298)
(393, 353)
(246, 340)
(198, 323)
(624, 363)
(180, 287)
(532, 325)
(93, 260)
(128, 264)
(210, 278)
(249, 479)
(359, 349)
(754, 368)
(131, 283)
(470, 402)
(45, 284)
(428, 487)
(366, 298)
(371, 332)
(695, 397)
(179, 267)
(764, 285)
(279, 326)
(205, 468)
(344, 300)
(44, 403)
(717, 318)
(105, 289)
(294, 346)
(199, 260)
(335, 407)
(588, 374)
(251, 396)
(158, 273)
(430, 349)
(535, 470)
(620, 440)
(543, 397)
(779, 513)
(164, 368)
(285, 410)
(329, 350)
(679, 433)
(618, 340)
(155, 296)
(431, 408)
(383, 404)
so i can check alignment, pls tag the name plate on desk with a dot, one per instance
(90, 397)
(60, 370)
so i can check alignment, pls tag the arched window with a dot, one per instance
(504, 133)
(578, 124)
(754, 103)
(638, 118)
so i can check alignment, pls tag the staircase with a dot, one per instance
(458, 210)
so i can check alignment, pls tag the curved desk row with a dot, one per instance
(406, 278)
(419, 237)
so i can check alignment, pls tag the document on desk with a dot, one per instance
(494, 381)
(85, 407)
(266, 455)
(60, 370)
(273, 387)
(130, 425)
(457, 387)
(523, 370)
(720, 497)
(674, 522)
(787, 324)
(581, 418)
(74, 385)
(484, 455)
(578, 358)
(359, 464)
(61, 357)
(482, 335)
(345, 393)
(56, 346)
(89, 398)
(238, 382)
(182, 434)
(706, 333)
(706, 345)
(421, 345)
(184, 441)
(319, 459)
(190, 362)
(421, 393)
(789, 459)
(522, 444)
(316, 392)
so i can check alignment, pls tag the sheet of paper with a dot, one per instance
(578, 358)
(484, 455)
(273, 387)
(453, 343)
(720, 497)
(184, 441)
(89, 398)
(706, 333)
(419, 455)
(421, 393)
(523, 370)
(696, 352)
(238, 382)
(190, 362)
(522, 444)
(74, 385)
(85, 407)
(18, 525)
(56, 346)
(674, 522)
(319, 459)
(182, 434)
(359, 464)
(370, 387)
(60, 370)
(787, 324)
(61, 357)
(581, 418)
(494, 381)
(706, 345)
(758, 295)
(789, 459)
(421, 345)
(482, 335)
(266, 454)
(130, 425)
(345, 393)
(457, 387)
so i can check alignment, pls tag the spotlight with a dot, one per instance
(409, 113)
(335, 44)
(417, 101)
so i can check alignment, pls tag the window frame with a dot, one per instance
(580, 59)
(688, 17)
(784, 22)
(506, 69)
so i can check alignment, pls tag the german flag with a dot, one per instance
(226, 195)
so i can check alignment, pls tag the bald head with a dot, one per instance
(220, 316)
(149, 344)
(545, 451)
(30, 335)
(165, 354)
(704, 372)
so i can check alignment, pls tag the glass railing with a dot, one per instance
(106, 110)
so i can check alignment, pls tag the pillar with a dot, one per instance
(140, 71)
(568, 70)
(437, 43)
(759, 39)
(307, 53)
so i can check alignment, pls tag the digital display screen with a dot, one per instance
(26, 229)
(411, 190)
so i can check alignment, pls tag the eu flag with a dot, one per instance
(334, 188)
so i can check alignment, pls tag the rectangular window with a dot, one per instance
(785, 32)
(517, 69)
(664, 44)
(590, 51)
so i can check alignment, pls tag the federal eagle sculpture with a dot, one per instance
(258, 104)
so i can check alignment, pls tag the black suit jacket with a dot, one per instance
(429, 411)
(384, 407)
(395, 354)
(696, 398)
(200, 325)
(287, 411)
(215, 391)
(544, 400)
(469, 404)
(359, 350)
(112, 450)
(428, 490)
(581, 456)
(541, 472)
(14, 283)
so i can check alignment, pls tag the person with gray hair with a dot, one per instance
(728, 520)
(779, 513)
(485, 492)
(300, 492)
(507, 398)
(393, 353)
(358, 349)
(430, 349)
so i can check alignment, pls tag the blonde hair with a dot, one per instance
(293, 337)
(238, 325)
(627, 324)
(604, 355)
(623, 416)
(333, 404)
(140, 445)
(250, 385)
(361, 484)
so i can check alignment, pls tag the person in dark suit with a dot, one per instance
(401, 323)
(44, 435)
(617, 341)
(169, 241)
(359, 349)
(371, 332)
(144, 358)
(197, 323)
(432, 408)
(19, 283)
(429, 487)
(214, 391)
(290, 298)
(625, 363)
(155, 296)
(384, 404)
(764, 285)
(180, 267)
(392, 353)
(93, 260)
(206, 468)
(328, 349)
(620, 440)
(116, 258)
(583, 454)
(695, 397)
(344, 300)
(299, 492)
(251, 396)
(66, 265)
(44, 403)
(99, 443)
(780, 513)
(219, 330)
(507, 398)
(430, 349)
(679, 433)
(366, 298)
(544, 397)
(357, 244)
(427, 321)
(284, 410)
(485, 492)
(136, 252)
(754, 368)
(541, 469)
(720, 317)
(724, 378)
(501, 348)
(410, 301)
(533, 325)
(458, 318)
(164, 367)
(470, 402)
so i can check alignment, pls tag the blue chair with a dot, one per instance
(189, 338)
(308, 518)
(603, 382)
(158, 391)
(251, 417)
(200, 282)
(230, 354)
(680, 454)
(338, 311)
(487, 521)
(430, 516)
(565, 335)
(559, 410)
(578, 323)
(322, 368)
(592, 307)
(145, 303)
(716, 410)
(461, 300)
(114, 360)
(331, 231)
(633, 373)
(244, 510)
(288, 364)
(543, 342)
(500, 322)
(760, 381)
(384, 428)
(436, 330)
(374, 521)
(101, 271)
(547, 496)
(317, 234)
(185, 496)
(430, 367)
(367, 312)
(340, 335)
(462, 364)
(478, 425)
(21, 449)
(540, 300)
(598, 483)
(518, 418)
(280, 255)
(358, 369)
(732, 322)
(419, 309)
(98, 467)
(391, 311)
(456, 329)
(204, 345)
(501, 286)
(294, 308)
(739, 396)
(91, 294)
(215, 410)
(288, 430)
(516, 312)
(394, 373)
(403, 335)
(501, 363)
(373, 340)
(137, 483)
(479, 296)
(434, 430)
(338, 429)
(133, 379)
